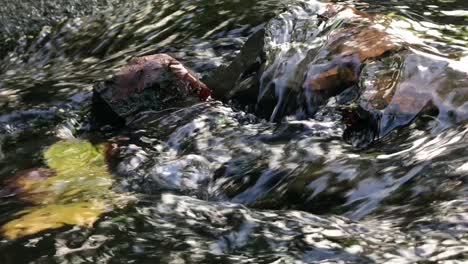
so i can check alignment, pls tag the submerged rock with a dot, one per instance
(397, 89)
(153, 82)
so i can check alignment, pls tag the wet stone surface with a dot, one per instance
(150, 83)
(313, 52)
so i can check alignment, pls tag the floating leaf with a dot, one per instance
(76, 193)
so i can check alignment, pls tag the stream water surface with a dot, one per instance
(210, 183)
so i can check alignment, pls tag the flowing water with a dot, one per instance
(210, 183)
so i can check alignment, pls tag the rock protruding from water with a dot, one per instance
(313, 52)
(308, 54)
(154, 82)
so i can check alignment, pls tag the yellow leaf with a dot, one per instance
(38, 219)
(80, 176)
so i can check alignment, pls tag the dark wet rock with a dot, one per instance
(362, 127)
(241, 74)
(153, 82)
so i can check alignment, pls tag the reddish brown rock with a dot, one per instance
(338, 65)
(143, 72)
(154, 82)
(365, 43)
